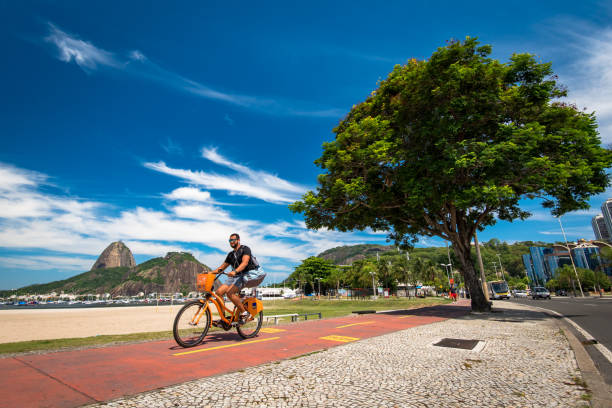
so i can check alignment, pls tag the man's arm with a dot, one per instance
(243, 265)
(221, 268)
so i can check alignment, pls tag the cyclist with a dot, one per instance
(244, 274)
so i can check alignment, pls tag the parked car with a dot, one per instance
(540, 292)
(520, 294)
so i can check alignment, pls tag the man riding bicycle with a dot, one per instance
(244, 274)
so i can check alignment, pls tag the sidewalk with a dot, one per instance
(526, 361)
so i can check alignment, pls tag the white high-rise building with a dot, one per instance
(606, 211)
(600, 228)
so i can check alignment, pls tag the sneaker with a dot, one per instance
(243, 317)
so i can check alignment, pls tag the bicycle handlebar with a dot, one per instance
(222, 273)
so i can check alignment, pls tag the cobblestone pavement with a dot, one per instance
(526, 362)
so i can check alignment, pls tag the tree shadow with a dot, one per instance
(446, 311)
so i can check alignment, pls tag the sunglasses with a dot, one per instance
(232, 240)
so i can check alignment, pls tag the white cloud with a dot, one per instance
(260, 177)
(589, 77)
(13, 178)
(233, 185)
(47, 262)
(83, 53)
(189, 194)
(90, 58)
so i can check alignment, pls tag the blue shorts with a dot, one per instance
(249, 279)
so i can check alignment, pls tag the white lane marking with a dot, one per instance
(602, 349)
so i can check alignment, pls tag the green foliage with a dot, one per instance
(448, 145)
(309, 270)
(602, 280)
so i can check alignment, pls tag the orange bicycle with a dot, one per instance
(195, 318)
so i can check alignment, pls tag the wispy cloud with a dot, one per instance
(248, 182)
(229, 120)
(69, 263)
(589, 76)
(90, 58)
(171, 147)
(83, 53)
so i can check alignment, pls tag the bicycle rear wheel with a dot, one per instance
(191, 324)
(251, 327)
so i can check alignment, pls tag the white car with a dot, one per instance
(520, 294)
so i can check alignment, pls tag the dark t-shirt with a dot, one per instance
(234, 258)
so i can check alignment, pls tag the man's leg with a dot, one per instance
(232, 294)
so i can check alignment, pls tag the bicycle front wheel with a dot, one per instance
(191, 324)
(251, 327)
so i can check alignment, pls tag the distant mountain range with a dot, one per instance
(115, 272)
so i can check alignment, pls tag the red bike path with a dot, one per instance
(74, 378)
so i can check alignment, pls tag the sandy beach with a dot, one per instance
(43, 324)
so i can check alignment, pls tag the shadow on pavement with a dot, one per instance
(445, 311)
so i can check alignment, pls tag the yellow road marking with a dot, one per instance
(405, 317)
(343, 339)
(353, 324)
(226, 346)
(271, 330)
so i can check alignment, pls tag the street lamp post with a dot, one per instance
(446, 270)
(373, 287)
(569, 251)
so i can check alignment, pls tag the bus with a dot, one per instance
(498, 290)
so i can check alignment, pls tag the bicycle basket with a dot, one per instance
(205, 281)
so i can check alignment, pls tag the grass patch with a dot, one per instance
(328, 308)
(336, 308)
(59, 344)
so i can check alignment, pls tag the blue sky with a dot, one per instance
(170, 128)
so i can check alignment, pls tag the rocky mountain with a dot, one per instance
(115, 255)
(175, 272)
(346, 255)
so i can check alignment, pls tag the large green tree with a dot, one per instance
(310, 271)
(446, 146)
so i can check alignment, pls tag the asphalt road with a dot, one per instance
(593, 314)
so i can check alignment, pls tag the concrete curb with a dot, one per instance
(601, 392)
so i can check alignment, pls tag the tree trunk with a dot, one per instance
(477, 296)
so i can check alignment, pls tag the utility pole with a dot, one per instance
(502, 268)
(495, 267)
(483, 278)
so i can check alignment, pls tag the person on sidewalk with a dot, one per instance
(453, 294)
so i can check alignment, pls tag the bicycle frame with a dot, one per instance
(215, 299)
(212, 297)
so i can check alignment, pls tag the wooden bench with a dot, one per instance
(280, 317)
